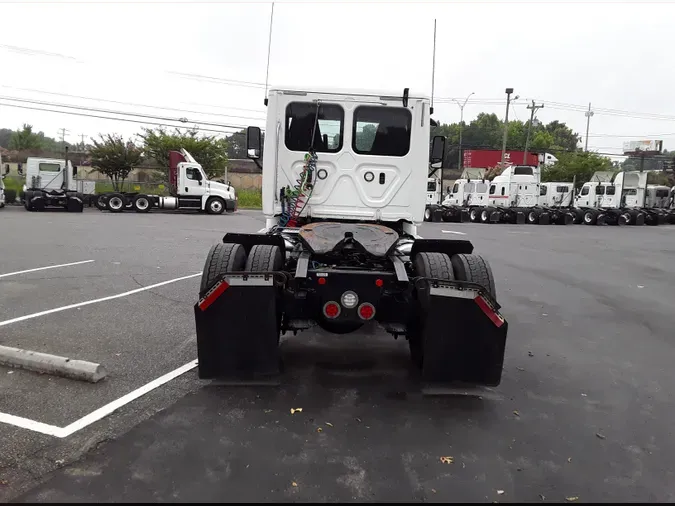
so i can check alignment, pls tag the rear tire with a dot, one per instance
(142, 203)
(475, 269)
(532, 217)
(427, 214)
(428, 265)
(116, 203)
(474, 215)
(222, 258)
(74, 206)
(101, 202)
(264, 258)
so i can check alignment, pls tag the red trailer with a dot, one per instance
(487, 158)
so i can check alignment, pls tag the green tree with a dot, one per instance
(209, 151)
(25, 139)
(581, 164)
(115, 158)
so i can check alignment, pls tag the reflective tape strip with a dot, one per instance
(491, 313)
(448, 291)
(213, 294)
(250, 281)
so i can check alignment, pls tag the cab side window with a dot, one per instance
(584, 190)
(193, 174)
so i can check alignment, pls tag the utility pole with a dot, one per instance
(534, 107)
(63, 132)
(83, 145)
(461, 125)
(506, 124)
(588, 114)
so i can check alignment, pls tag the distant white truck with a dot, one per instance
(51, 183)
(622, 198)
(194, 191)
(2, 185)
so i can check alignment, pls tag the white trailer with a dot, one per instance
(193, 191)
(2, 185)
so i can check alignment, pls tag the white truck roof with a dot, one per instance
(389, 94)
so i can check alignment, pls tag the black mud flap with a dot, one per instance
(495, 217)
(520, 218)
(237, 324)
(437, 214)
(544, 219)
(463, 334)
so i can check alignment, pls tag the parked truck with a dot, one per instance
(50, 183)
(617, 199)
(193, 191)
(2, 184)
(340, 247)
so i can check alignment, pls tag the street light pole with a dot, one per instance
(461, 125)
(588, 115)
(506, 123)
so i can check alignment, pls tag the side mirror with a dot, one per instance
(437, 151)
(253, 142)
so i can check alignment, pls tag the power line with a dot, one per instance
(120, 119)
(133, 103)
(108, 111)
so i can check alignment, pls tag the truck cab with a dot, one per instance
(516, 186)
(556, 194)
(434, 191)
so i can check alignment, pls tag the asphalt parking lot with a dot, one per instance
(583, 412)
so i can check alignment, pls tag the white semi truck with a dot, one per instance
(340, 247)
(2, 184)
(514, 196)
(193, 191)
(51, 183)
(621, 198)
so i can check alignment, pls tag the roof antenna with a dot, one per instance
(269, 48)
(433, 72)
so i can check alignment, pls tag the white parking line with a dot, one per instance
(452, 232)
(103, 299)
(94, 416)
(43, 268)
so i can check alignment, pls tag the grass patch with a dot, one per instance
(250, 199)
(13, 183)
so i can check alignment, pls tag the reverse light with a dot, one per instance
(366, 311)
(349, 299)
(331, 310)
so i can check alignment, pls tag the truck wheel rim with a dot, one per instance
(427, 214)
(588, 217)
(115, 203)
(531, 217)
(142, 204)
(473, 214)
(216, 206)
(484, 216)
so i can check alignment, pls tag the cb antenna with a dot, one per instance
(269, 48)
(433, 72)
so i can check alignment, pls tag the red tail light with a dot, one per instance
(331, 310)
(366, 311)
(379, 283)
(321, 281)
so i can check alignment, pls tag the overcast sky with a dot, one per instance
(617, 55)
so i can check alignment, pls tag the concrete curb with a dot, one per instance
(52, 364)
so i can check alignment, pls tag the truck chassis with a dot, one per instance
(116, 202)
(340, 276)
(39, 200)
